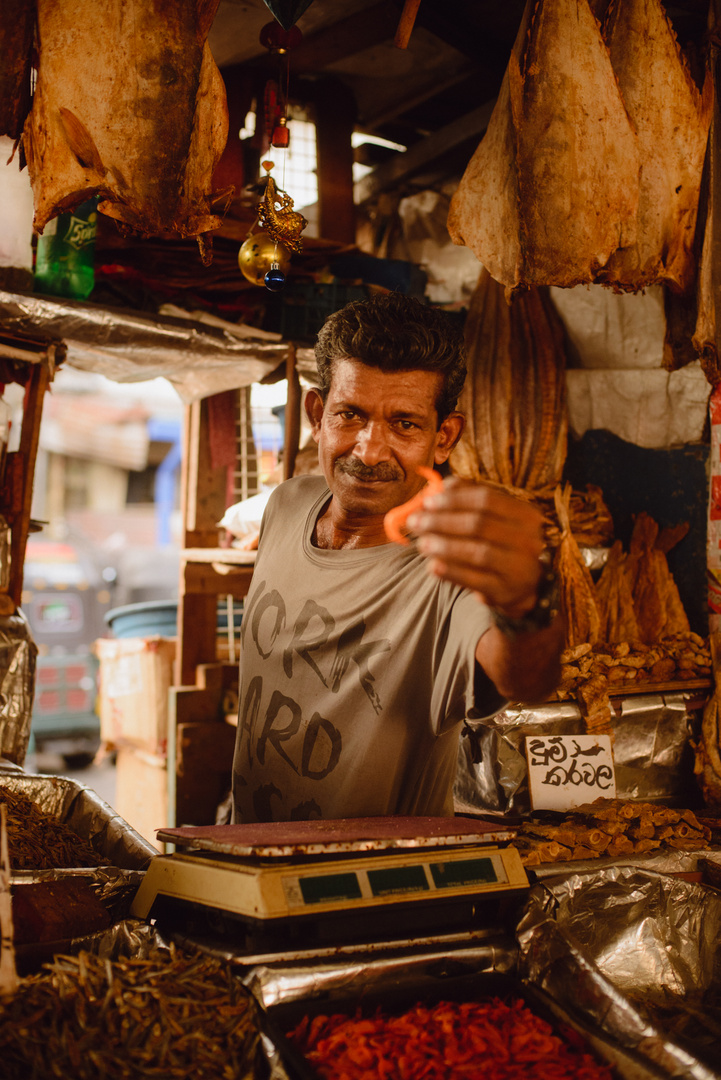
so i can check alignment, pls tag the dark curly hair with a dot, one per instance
(394, 332)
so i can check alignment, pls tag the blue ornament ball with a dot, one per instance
(274, 280)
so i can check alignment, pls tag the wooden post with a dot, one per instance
(203, 504)
(335, 116)
(292, 415)
(26, 455)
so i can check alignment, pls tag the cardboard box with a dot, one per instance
(135, 676)
(141, 792)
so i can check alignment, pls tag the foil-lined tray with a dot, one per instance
(636, 954)
(82, 810)
(651, 748)
(287, 994)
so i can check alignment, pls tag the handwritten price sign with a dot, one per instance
(567, 770)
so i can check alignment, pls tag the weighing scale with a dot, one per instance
(290, 885)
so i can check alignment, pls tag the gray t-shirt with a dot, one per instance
(356, 669)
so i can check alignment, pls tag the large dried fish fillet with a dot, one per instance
(656, 599)
(484, 210)
(16, 38)
(130, 106)
(578, 596)
(615, 600)
(671, 117)
(560, 156)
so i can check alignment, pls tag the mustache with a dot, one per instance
(384, 471)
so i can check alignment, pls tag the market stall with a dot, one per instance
(565, 921)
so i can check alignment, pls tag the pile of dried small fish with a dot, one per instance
(39, 841)
(590, 673)
(610, 827)
(169, 1017)
(683, 658)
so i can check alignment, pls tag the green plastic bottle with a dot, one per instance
(65, 256)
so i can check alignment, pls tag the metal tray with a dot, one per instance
(88, 815)
(277, 1019)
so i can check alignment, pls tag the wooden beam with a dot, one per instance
(420, 95)
(345, 38)
(424, 153)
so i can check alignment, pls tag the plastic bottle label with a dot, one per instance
(80, 233)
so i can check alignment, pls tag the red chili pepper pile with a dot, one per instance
(491, 1040)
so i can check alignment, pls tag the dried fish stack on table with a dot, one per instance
(608, 828)
(39, 841)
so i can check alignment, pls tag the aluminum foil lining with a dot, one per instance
(89, 816)
(18, 654)
(127, 939)
(615, 946)
(651, 751)
(280, 983)
(197, 358)
(418, 975)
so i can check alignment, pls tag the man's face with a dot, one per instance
(376, 428)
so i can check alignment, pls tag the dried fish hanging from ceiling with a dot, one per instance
(16, 37)
(552, 190)
(671, 117)
(514, 398)
(139, 118)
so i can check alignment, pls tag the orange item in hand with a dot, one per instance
(395, 519)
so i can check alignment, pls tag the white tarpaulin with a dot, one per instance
(653, 409)
(613, 330)
(619, 384)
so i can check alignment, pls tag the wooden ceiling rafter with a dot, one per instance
(395, 172)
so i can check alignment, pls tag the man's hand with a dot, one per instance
(485, 540)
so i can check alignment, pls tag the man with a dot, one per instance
(360, 657)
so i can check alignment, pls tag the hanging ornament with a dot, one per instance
(287, 12)
(277, 216)
(277, 40)
(281, 134)
(260, 254)
(275, 278)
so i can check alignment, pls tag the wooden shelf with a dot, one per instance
(222, 556)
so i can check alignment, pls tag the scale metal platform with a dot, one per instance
(323, 881)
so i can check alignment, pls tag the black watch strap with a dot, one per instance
(545, 610)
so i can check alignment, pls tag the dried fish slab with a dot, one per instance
(130, 106)
(552, 190)
(671, 117)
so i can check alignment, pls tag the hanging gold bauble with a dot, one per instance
(257, 255)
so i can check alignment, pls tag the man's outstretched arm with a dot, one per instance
(479, 537)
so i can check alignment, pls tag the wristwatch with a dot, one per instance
(545, 609)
